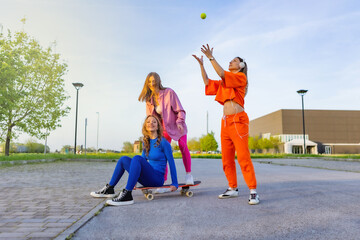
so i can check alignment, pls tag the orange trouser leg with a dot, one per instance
(236, 129)
(228, 158)
(244, 159)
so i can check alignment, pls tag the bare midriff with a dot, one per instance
(232, 107)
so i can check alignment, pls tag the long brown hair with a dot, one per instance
(146, 93)
(244, 70)
(146, 134)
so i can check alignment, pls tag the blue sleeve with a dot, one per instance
(170, 159)
(144, 154)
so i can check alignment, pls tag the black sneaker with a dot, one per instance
(107, 191)
(124, 198)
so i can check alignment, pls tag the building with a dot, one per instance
(327, 131)
(138, 145)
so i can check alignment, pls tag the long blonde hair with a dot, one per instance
(244, 70)
(146, 133)
(146, 93)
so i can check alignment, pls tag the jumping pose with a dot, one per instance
(230, 92)
(165, 104)
(148, 169)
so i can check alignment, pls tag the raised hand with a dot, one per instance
(200, 60)
(207, 51)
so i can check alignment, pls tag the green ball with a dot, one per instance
(203, 15)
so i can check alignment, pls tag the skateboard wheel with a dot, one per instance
(150, 197)
(189, 194)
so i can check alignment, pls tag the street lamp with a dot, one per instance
(85, 133)
(77, 86)
(97, 136)
(302, 92)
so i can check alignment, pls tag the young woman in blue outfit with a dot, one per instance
(148, 169)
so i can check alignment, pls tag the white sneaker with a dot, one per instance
(162, 190)
(254, 199)
(229, 193)
(189, 180)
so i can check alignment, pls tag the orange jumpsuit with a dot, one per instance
(234, 128)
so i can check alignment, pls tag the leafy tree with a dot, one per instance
(275, 141)
(265, 143)
(65, 149)
(208, 142)
(253, 143)
(128, 147)
(34, 147)
(174, 145)
(194, 144)
(31, 88)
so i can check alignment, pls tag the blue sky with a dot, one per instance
(111, 46)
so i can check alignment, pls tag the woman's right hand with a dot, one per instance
(173, 188)
(200, 60)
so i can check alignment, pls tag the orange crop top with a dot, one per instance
(232, 87)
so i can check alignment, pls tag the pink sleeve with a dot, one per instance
(177, 108)
(234, 80)
(212, 87)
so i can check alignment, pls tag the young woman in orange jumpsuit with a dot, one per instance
(230, 92)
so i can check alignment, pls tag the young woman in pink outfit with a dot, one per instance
(165, 104)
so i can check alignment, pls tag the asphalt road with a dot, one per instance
(296, 203)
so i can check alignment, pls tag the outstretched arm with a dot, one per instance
(203, 72)
(209, 54)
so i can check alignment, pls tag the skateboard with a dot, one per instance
(185, 190)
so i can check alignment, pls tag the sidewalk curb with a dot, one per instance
(69, 232)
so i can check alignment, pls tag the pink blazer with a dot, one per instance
(173, 113)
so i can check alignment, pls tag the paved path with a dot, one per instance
(296, 203)
(40, 201)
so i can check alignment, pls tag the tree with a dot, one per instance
(265, 143)
(174, 145)
(275, 141)
(254, 143)
(31, 88)
(66, 149)
(208, 142)
(194, 144)
(128, 147)
(34, 147)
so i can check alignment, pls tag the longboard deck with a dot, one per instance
(182, 185)
(185, 190)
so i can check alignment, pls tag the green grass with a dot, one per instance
(115, 156)
(58, 156)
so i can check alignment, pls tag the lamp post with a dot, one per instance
(77, 86)
(302, 92)
(97, 135)
(85, 133)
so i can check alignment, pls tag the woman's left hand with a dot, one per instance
(173, 188)
(199, 59)
(181, 128)
(207, 51)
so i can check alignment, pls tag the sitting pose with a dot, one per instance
(230, 92)
(148, 169)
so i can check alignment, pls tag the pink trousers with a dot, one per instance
(184, 152)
